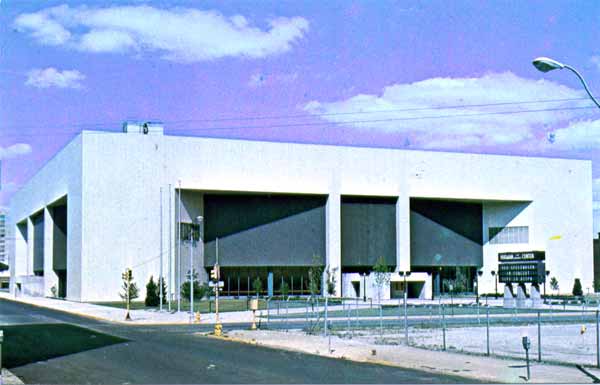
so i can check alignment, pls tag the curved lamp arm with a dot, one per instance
(584, 84)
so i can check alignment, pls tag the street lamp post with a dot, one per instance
(364, 275)
(404, 274)
(198, 220)
(495, 284)
(545, 64)
(479, 274)
(547, 274)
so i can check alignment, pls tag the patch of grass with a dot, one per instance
(25, 344)
(225, 305)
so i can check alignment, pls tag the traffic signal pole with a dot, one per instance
(215, 274)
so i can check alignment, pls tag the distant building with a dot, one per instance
(3, 239)
(4, 274)
(275, 209)
(597, 264)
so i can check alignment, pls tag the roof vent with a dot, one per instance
(145, 128)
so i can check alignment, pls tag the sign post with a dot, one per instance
(1, 341)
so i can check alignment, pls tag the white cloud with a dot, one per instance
(51, 77)
(423, 110)
(179, 34)
(578, 135)
(595, 60)
(260, 79)
(14, 150)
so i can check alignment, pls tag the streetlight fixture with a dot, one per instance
(495, 284)
(404, 274)
(198, 221)
(547, 275)
(545, 64)
(479, 274)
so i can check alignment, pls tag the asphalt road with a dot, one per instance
(174, 354)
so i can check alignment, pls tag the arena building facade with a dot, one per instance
(110, 201)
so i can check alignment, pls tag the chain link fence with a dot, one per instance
(561, 333)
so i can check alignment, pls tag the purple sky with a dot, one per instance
(385, 73)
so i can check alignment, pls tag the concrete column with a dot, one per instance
(29, 247)
(333, 246)
(50, 277)
(403, 232)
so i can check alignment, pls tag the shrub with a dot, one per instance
(315, 275)
(331, 280)
(257, 285)
(554, 284)
(152, 298)
(577, 290)
(285, 289)
(185, 287)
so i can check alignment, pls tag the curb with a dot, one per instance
(121, 322)
(9, 378)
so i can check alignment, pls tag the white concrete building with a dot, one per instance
(108, 201)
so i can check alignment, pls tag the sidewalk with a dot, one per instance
(10, 379)
(487, 369)
(142, 317)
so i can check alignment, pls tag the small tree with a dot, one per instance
(285, 289)
(577, 290)
(315, 275)
(133, 290)
(130, 290)
(331, 280)
(382, 276)
(257, 286)
(554, 284)
(185, 287)
(152, 298)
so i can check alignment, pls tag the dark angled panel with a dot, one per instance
(264, 230)
(59, 235)
(38, 243)
(462, 218)
(432, 244)
(368, 231)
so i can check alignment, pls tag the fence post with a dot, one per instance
(348, 314)
(597, 340)
(405, 320)
(326, 301)
(287, 312)
(487, 328)
(443, 328)
(268, 312)
(1, 340)
(380, 318)
(539, 319)
(357, 314)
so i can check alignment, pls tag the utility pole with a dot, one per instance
(170, 288)
(160, 279)
(215, 275)
(178, 285)
(191, 273)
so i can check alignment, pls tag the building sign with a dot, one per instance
(522, 256)
(522, 267)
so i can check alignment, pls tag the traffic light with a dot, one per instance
(127, 275)
(214, 273)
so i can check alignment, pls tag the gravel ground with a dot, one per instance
(562, 343)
